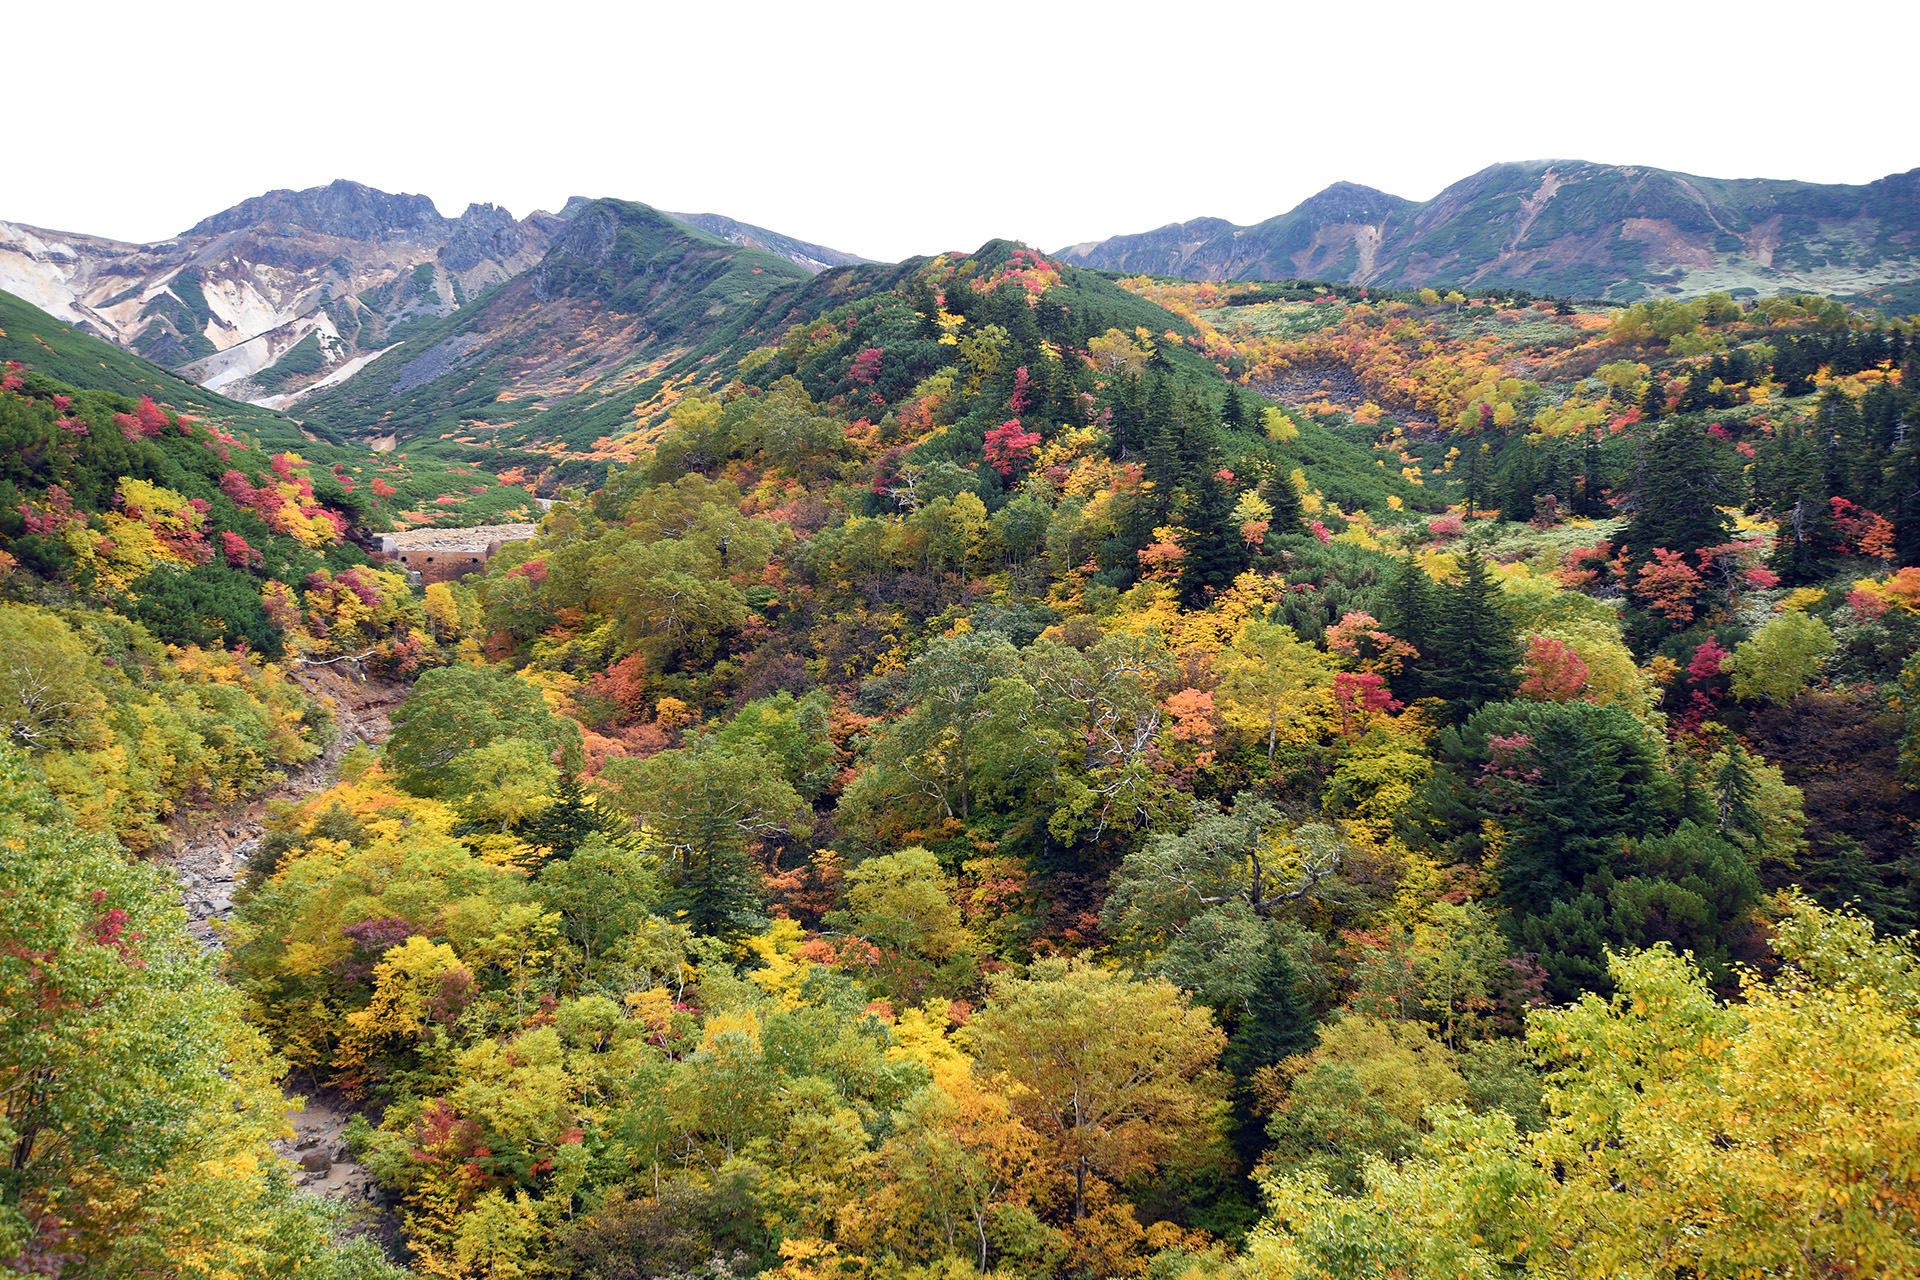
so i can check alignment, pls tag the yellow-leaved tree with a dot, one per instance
(1775, 1136)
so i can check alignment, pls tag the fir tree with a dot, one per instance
(1199, 440)
(1163, 464)
(1233, 413)
(1900, 502)
(1591, 503)
(571, 819)
(1408, 612)
(1276, 1024)
(1682, 488)
(1278, 492)
(1129, 421)
(1519, 482)
(1735, 792)
(1475, 651)
(1217, 554)
(1475, 476)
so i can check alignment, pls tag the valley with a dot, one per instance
(1381, 743)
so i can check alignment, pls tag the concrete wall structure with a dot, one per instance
(448, 555)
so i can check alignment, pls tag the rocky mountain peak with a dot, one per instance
(349, 210)
(1345, 202)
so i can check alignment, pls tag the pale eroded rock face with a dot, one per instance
(280, 292)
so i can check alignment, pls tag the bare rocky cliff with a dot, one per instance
(280, 292)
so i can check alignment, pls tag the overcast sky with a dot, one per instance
(888, 129)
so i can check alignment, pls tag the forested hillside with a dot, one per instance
(992, 768)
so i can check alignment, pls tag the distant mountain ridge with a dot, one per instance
(622, 293)
(1561, 227)
(291, 292)
(279, 291)
(802, 253)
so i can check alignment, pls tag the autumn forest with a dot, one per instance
(984, 768)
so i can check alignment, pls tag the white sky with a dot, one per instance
(887, 129)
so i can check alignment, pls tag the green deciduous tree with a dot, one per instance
(1779, 659)
(455, 709)
(137, 1104)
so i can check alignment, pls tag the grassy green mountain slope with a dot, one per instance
(566, 350)
(34, 338)
(582, 358)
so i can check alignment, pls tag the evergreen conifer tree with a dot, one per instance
(1408, 612)
(1233, 412)
(1682, 489)
(1654, 403)
(1475, 651)
(1519, 481)
(1590, 502)
(1476, 481)
(573, 817)
(1276, 1024)
(1217, 554)
(1277, 491)
(1901, 499)
(1163, 464)
(1199, 440)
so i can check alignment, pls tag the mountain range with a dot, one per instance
(296, 289)
(1564, 227)
(376, 315)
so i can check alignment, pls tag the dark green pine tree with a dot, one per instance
(1684, 482)
(1276, 1024)
(1736, 793)
(1838, 429)
(1900, 501)
(1129, 421)
(920, 297)
(1064, 391)
(1840, 873)
(1519, 482)
(1161, 407)
(1199, 440)
(1590, 501)
(1474, 651)
(1879, 425)
(1654, 403)
(573, 818)
(716, 892)
(1162, 466)
(1277, 491)
(1409, 610)
(1233, 411)
(1476, 475)
(1217, 553)
(1807, 540)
